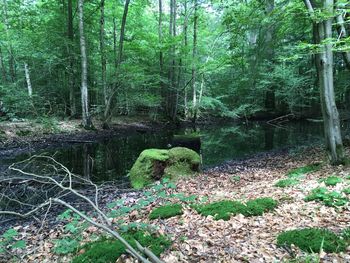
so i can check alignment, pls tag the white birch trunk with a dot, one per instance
(29, 84)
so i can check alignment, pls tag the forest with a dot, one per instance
(174, 131)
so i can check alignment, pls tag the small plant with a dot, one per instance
(109, 250)
(332, 180)
(166, 211)
(298, 172)
(235, 178)
(328, 198)
(346, 234)
(287, 182)
(312, 240)
(346, 191)
(224, 209)
(9, 240)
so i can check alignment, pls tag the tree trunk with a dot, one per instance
(194, 56)
(102, 50)
(115, 42)
(72, 105)
(324, 67)
(343, 34)
(86, 121)
(29, 84)
(10, 48)
(186, 45)
(3, 68)
(122, 32)
(161, 55)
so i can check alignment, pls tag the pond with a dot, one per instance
(112, 158)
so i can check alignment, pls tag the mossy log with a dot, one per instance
(155, 164)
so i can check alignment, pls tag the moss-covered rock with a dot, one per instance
(166, 211)
(312, 240)
(154, 164)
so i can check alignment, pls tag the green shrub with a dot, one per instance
(298, 172)
(326, 197)
(108, 251)
(332, 180)
(346, 191)
(166, 211)
(312, 240)
(224, 209)
(287, 182)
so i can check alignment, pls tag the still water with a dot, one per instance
(112, 158)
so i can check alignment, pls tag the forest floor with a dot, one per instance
(198, 238)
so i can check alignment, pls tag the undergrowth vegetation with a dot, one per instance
(328, 198)
(166, 211)
(287, 182)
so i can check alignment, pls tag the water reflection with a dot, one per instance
(111, 159)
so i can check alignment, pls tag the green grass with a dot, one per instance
(224, 209)
(287, 182)
(166, 211)
(298, 172)
(109, 250)
(312, 240)
(332, 180)
(328, 198)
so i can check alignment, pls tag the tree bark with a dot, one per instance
(72, 104)
(29, 84)
(3, 68)
(102, 50)
(343, 34)
(10, 48)
(86, 118)
(324, 62)
(122, 32)
(115, 42)
(194, 69)
(186, 45)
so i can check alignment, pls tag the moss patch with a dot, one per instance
(108, 251)
(298, 172)
(166, 211)
(312, 240)
(332, 180)
(224, 209)
(154, 164)
(329, 198)
(287, 182)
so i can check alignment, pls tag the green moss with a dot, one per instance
(224, 209)
(166, 211)
(154, 164)
(286, 182)
(298, 172)
(346, 191)
(329, 198)
(221, 210)
(258, 206)
(108, 251)
(332, 180)
(312, 240)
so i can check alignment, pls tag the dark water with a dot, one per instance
(112, 158)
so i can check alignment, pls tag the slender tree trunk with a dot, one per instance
(115, 42)
(102, 50)
(186, 46)
(86, 121)
(194, 56)
(72, 104)
(3, 68)
(161, 55)
(10, 48)
(122, 32)
(29, 84)
(324, 64)
(174, 92)
(343, 34)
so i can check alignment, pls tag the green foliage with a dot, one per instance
(297, 172)
(224, 209)
(346, 191)
(328, 198)
(312, 240)
(108, 250)
(332, 180)
(287, 182)
(9, 240)
(346, 234)
(166, 211)
(73, 233)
